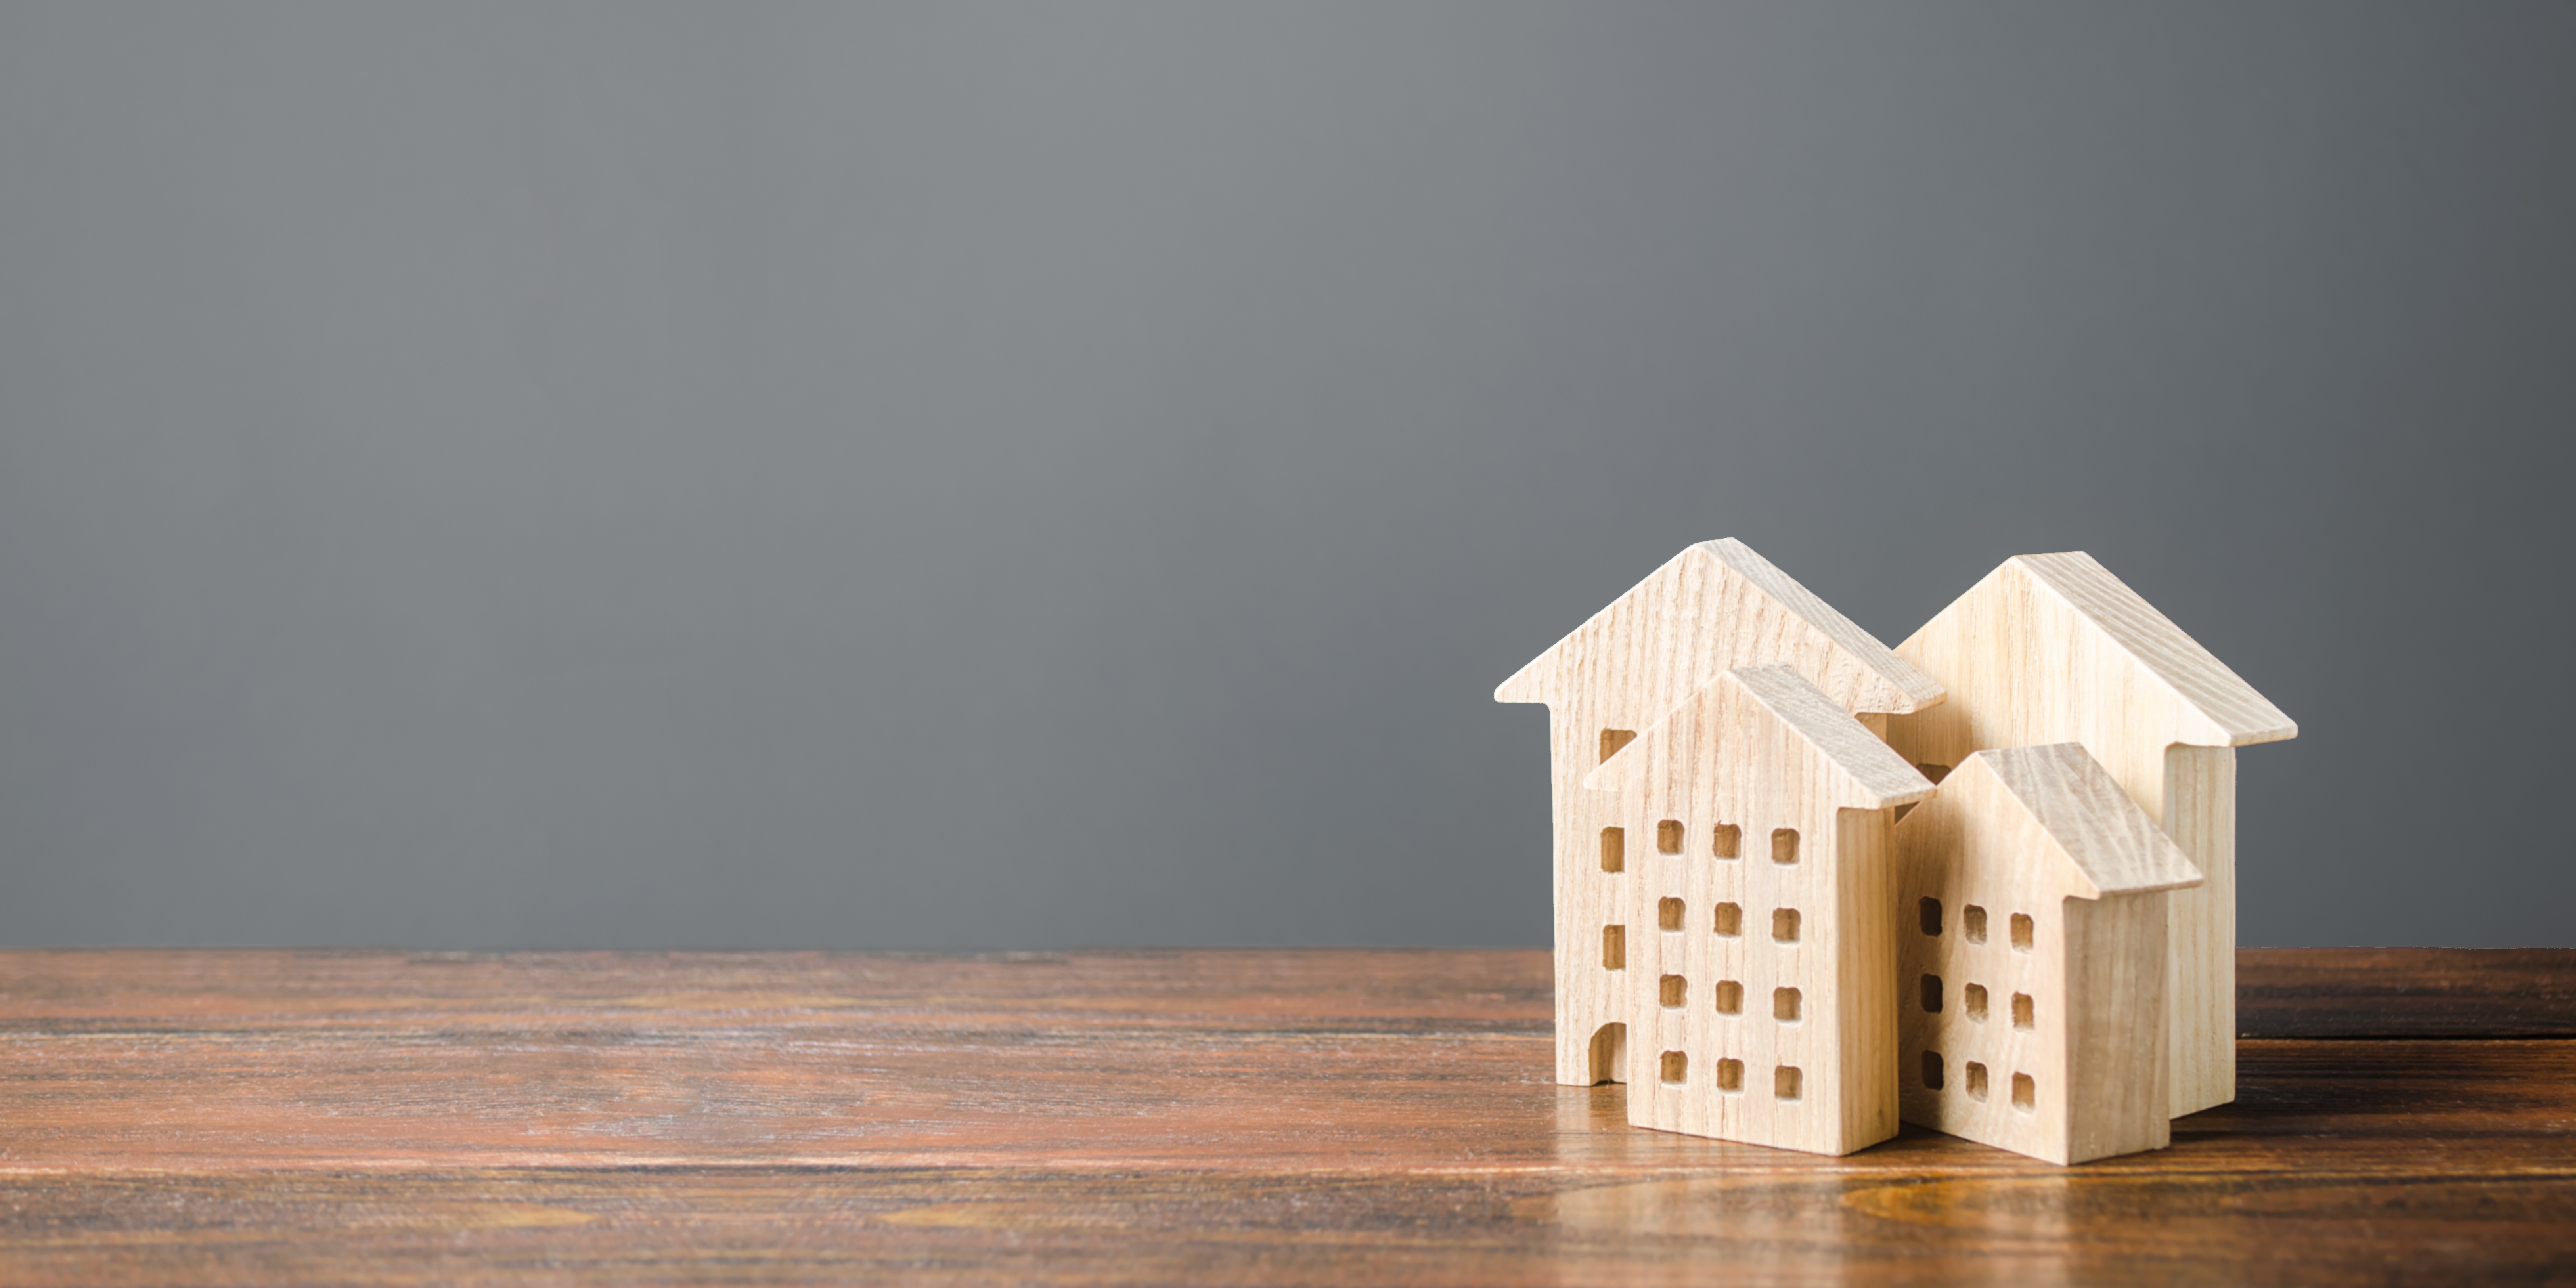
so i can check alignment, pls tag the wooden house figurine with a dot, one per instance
(1712, 608)
(2031, 958)
(2054, 649)
(1757, 936)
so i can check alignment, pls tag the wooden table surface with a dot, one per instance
(265, 1117)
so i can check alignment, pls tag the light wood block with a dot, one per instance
(1759, 973)
(2053, 648)
(1714, 607)
(2031, 958)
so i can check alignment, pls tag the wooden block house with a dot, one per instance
(1712, 608)
(2030, 949)
(1765, 930)
(1755, 940)
(2053, 648)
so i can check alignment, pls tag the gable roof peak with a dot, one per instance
(1869, 769)
(2110, 843)
(1739, 591)
(2236, 714)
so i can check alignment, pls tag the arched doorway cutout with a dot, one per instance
(1610, 1054)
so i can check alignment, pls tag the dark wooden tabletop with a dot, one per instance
(1178, 1117)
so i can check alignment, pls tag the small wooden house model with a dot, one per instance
(1755, 942)
(2031, 958)
(1714, 607)
(2053, 648)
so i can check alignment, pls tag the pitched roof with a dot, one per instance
(1804, 627)
(1876, 776)
(2114, 847)
(2237, 713)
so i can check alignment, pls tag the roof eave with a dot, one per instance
(1528, 684)
(2281, 732)
(2271, 724)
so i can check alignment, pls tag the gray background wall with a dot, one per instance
(945, 475)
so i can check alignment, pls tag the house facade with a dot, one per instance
(1714, 607)
(2031, 958)
(1751, 947)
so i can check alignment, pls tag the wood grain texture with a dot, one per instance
(2406, 992)
(1714, 607)
(1198, 1117)
(2054, 648)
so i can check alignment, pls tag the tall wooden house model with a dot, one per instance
(1806, 884)
(2053, 648)
(1712, 608)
